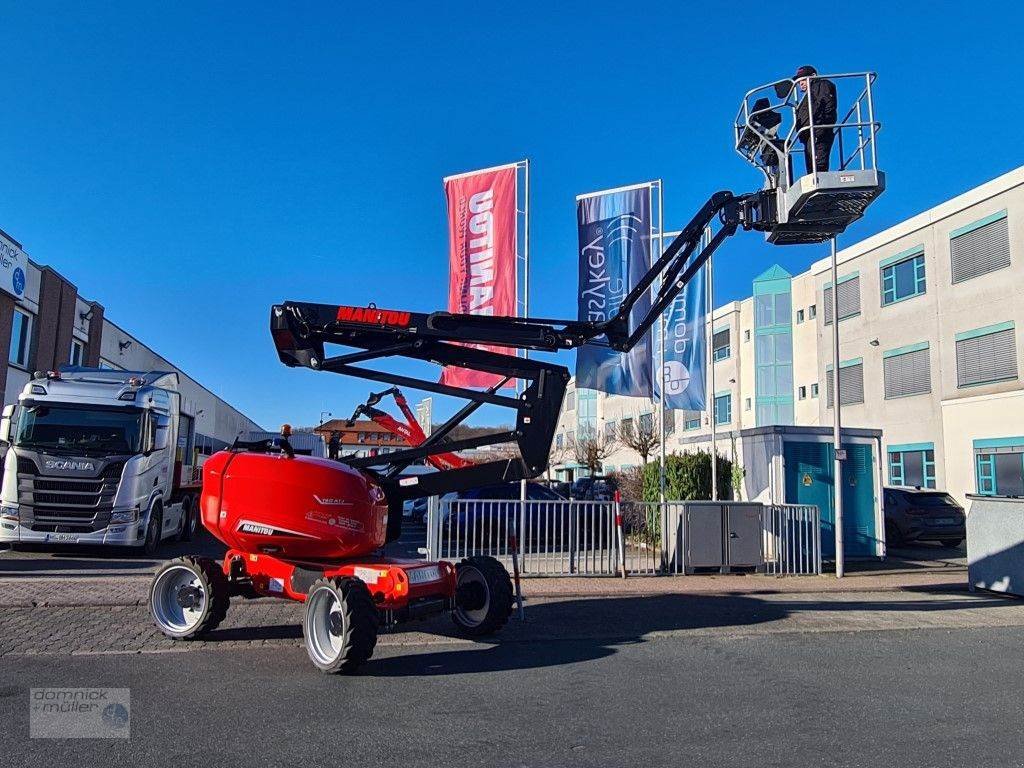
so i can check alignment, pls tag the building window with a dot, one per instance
(720, 345)
(746, 335)
(570, 438)
(986, 355)
(851, 383)
(558, 442)
(646, 423)
(999, 466)
(801, 393)
(21, 338)
(723, 409)
(670, 421)
(849, 298)
(799, 316)
(812, 311)
(692, 424)
(77, 352)
(912, 465)
(609, 430)
(980, 248)
(570, 401)
(903, 279)
(907, 371)
(626, 428)
(814, 390)
(747, 404)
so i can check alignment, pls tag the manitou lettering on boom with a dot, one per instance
(481, 253)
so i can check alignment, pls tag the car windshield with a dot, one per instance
(79, 430)
(933, 500)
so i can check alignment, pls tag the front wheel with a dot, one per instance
(189, 596)
(340, 624)
(483, 596)
(154, 532)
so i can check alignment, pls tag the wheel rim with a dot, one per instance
(468, 576)
(325, 625)
(152, 533)
(191, 520)
(179, 599)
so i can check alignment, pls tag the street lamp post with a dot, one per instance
(838, 451)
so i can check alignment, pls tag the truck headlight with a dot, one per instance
(125, 515)
(9, 513)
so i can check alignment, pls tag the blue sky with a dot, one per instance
(190, 166)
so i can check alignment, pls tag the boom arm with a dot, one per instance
(411, 431)
(301, 330)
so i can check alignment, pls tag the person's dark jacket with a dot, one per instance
(822, 95)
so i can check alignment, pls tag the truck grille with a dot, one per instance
(76, 503)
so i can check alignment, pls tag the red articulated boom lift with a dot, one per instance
(411, 431)
(311, 530)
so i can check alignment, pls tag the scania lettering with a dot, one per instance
(96, 456)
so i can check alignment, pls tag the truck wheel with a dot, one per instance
(189, 519)
(340, 624)
(154, 531)
(189, 596)
(483, 596)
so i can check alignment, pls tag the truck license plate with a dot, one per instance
(68, 537)
(423, 575)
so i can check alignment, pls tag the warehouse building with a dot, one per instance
(927, 311)
(47, 324)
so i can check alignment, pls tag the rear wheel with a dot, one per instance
(340, 624)
(893, 537)
(483, 596)
(189, 519)
(189, 596)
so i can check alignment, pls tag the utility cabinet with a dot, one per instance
(722, 535)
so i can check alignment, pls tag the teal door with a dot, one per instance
(810, 480)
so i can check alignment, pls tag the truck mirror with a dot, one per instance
(161, 433)
(5, 423)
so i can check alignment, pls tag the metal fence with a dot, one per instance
(584, 538)
(792, 539)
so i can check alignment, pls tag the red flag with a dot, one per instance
(481, 256)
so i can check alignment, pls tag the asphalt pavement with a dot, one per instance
(926, 697)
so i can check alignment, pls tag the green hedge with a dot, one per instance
(688, 477)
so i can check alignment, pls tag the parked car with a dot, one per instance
(916, 514)
(486, 513)
(596, 488)
(415, 509)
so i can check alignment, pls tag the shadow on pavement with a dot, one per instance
(43, 559)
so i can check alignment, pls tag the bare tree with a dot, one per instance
(640, 434)
(592, 448)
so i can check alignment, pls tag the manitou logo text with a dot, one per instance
(481, 253)
(69, 465)
(373, 316)
(262, 530)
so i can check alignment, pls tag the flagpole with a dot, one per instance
(711, 378)
(526, 275)
(661, 362)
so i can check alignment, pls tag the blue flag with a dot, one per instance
(686, 348)
(614, 254)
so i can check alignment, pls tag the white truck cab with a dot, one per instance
(95, 456)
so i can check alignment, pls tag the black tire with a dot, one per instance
(339, 624)
(189, 519)
(951, 543)
(483, 596)
(186, 608)
(154, 531)
(893, 537)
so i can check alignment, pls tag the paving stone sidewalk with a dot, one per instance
(62, 630)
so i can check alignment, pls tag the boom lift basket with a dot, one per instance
(815, 205)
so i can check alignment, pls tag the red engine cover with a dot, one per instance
(301, 508)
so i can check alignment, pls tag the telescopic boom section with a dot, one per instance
(301, 331)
